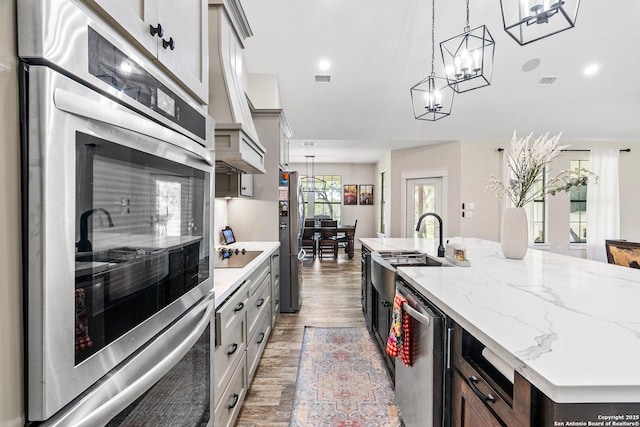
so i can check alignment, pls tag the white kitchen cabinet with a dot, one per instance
(234, 185)
(174, 34)
(275, 287)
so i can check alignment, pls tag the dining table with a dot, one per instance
(348, 230)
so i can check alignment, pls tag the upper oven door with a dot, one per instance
(117, 242)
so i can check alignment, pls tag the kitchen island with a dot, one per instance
(570, 327)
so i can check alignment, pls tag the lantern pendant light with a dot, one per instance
(431, 97)
(468, 58)
(529, 20)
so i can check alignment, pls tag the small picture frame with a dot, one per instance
(350, 194)
(365, 194)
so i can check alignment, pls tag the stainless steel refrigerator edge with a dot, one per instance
(289, 218)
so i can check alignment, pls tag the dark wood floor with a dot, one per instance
(330, 297)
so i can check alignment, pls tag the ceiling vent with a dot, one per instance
(547, 81)
(323, 78)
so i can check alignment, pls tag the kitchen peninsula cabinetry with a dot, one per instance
(175, 37)
(480, 394)
(549, 340)
(243, 324)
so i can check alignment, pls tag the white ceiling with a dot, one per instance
(379, 49)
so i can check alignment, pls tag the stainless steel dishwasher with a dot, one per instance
(421, 389)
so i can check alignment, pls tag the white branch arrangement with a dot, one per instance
(526, 160)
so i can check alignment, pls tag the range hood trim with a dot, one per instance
(236, 141)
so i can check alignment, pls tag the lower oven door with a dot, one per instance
(117, 240)
(420, 388)
(155, 387)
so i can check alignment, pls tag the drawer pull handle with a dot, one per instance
(234, 347)
(236, 397)
(486, 397)
(238, 307)
(261, 338)
(260, 302)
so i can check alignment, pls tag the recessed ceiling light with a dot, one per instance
(591, 70)
(324, 65)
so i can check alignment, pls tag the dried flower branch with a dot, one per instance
(526, 161)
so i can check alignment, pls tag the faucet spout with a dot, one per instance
(436, 216)
(84, 245)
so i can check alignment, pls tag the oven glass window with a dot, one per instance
(142, 239)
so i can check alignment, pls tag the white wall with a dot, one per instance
(479, 159)
(11, 355)
(352, 173)
(445, 156)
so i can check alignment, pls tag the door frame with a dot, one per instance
(404, 177)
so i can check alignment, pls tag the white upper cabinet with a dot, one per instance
(173, 32)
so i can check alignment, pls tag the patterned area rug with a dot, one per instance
(342, 381)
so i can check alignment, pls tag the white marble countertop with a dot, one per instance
(568, 325)
(227, 280)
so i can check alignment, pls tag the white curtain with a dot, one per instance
(603, 202)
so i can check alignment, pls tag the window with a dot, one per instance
(538, 212)
(326, 201)
(578, 208)
(382, 203)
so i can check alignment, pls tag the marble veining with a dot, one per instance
(568, 325)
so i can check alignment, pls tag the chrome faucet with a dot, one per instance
(440, 246)
(84, 245)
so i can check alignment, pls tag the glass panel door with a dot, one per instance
(423, 195)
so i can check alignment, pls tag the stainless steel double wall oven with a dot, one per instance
(117, 178)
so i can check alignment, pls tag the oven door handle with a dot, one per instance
(416, 314)
(113, 114)
(105, 412)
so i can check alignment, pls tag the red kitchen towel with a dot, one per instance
(399, 341)
(83, 340)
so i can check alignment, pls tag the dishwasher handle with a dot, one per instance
(416, 314)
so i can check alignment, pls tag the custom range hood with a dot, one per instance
(236, 140)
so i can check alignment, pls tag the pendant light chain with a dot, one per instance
(466, 29)
(433, 36)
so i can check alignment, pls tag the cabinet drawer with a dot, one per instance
(258, 303)
(257, 277)
(230, 401)
(468, 409)
(510, 401)
(275, 264)
(228, 355)
(257, 343)
(231, 312)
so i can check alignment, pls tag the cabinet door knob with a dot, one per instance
(261, 338)
(234, 347)
(238, 307)
(232, 405)
(169, 44)
(486, 397)
(260, 302)
(156, 30)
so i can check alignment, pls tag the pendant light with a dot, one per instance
(529, 20)
(309, 182)
(468, 58)
(431, 97)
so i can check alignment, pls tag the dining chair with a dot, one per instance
(346, 237)
(623, 252)
(308, 240)
(328, 238)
